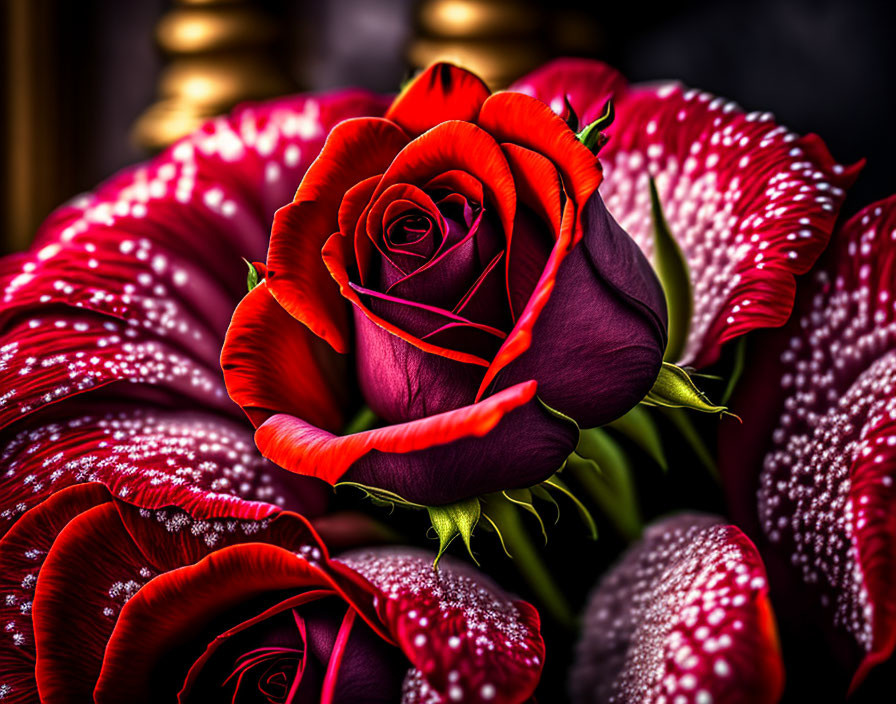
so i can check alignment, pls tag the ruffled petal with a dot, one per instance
(749, 203)
(685, 613)
(529, 123)
(355, 150)
(304, 449)
(463, 634)
(816, 448)
(274, 364)
(441, 92)
(585, 83)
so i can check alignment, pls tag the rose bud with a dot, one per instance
(749, 203)
(109, 602)
(811, 471)
(684, 616)
(459, 251)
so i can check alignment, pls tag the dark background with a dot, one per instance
(820, 66)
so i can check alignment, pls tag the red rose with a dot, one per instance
(459, 249)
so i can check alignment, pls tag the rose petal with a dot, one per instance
(587, 84)
(684, 613)
(512, 117)
(274, 364)
(749, 203)
(441, 92)
(465, 636)
(818, 453)
(300, 447)
(355, 150)
(598, 344)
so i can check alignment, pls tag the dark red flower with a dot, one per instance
(108, 602)
(750, 203)
(684, 616)
(811, 471)
(458, 248)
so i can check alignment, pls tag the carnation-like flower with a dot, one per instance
(683, 616)
(459, 250)
(811, 471)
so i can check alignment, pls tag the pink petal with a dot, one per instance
(750, 203)
(465, 636)
(818, 443)
(685, 613)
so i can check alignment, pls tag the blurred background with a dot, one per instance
(94, 85)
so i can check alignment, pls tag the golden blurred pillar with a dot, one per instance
(221, 52)
(497, 39)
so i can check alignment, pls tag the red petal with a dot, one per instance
(335, 253)
(441, 92)
(105, 556)
(355, 150)
(465, 636)
(22, 552)
(750, 204)
(274, 364)
(152, 459)
(529, 123)
(587, 84)
(301, 448)
(685, 613)
(818, 442)
(63, 353)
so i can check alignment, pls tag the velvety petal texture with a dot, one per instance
(683, 616)
(813, 465)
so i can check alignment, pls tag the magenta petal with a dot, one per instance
(684, 614)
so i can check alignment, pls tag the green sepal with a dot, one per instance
(539, 492)
(639, 427)
(572, 118)
(603, 469)
(523, 499)
(554, 482)
(674, 388)
(737, 370)
(592, 135)
(380, 497)
(252, 276)
(672, 269)
(364, 419)
(452, 520)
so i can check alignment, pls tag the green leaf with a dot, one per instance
(639, 427)
(672, 270)
(592, 136)
(364, 419)
(674, 388)
(554, 482)
(452, 520)
(252, 277)
(603, 469)
(686, 430)
(740, 360)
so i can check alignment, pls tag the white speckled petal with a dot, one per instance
(818, 461)
(466, 638)
(683, 617)
(750, 203)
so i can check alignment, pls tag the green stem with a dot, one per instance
(529, 563)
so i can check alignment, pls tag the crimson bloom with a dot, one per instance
(811, 471)
(109, 602)
(684, 616)
(458, 248)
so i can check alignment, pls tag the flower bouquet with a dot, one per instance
(253, 390)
